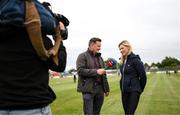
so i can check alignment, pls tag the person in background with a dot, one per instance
(92, 80)
(133, 77)
(74, 77)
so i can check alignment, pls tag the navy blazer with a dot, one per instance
(133, 75)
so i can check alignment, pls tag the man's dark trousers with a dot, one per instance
(93, 101)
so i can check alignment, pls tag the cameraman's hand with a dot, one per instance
(61, 25)
(64, 30)
(101, 71)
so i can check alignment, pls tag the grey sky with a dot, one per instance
(152, 26)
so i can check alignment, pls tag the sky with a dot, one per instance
(151, 26)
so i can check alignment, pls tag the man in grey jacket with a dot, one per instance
(92, 80)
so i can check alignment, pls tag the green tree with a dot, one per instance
(146, 66)
(159, 65)
(169, 63)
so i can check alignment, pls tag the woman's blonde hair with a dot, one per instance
(126, 44)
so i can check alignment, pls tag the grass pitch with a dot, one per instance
(161, 96)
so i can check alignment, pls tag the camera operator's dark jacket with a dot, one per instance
(133, 75)
(24, 76)
(87, 73)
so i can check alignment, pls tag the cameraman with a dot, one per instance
(24, 77)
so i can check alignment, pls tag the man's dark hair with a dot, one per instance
(94, 40)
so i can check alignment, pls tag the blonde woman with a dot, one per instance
(133, 77)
